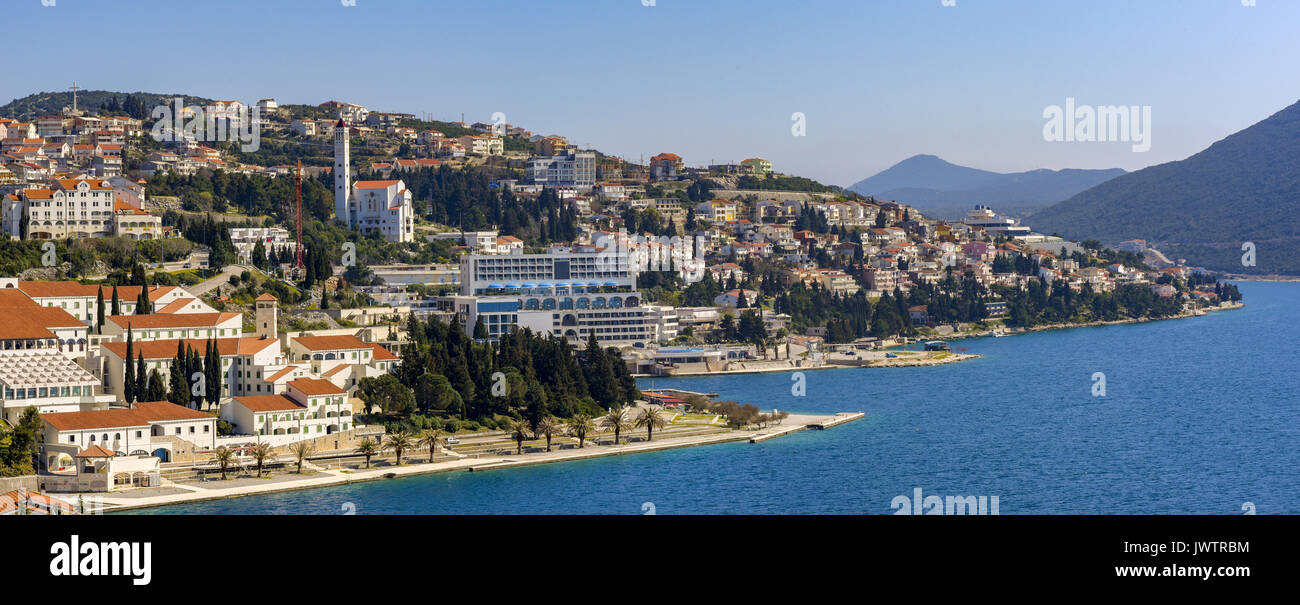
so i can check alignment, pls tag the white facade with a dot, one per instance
(383, 206)
(577, 170)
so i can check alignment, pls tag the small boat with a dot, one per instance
(890, 356)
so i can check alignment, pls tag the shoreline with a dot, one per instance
(335, 478)
(913, 362)
(1097, 324)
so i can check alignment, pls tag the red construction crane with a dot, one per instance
(298, 214)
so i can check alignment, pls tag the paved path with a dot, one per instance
(324, 478)
(220, 279)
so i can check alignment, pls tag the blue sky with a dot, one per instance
(711, 80)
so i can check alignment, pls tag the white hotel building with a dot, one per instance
(567, 293)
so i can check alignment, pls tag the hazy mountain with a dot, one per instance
(1244, 188)
(943, 189)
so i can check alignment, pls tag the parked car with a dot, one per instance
(452, 441)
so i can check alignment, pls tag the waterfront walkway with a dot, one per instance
(178, 493)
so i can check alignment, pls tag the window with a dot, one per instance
(178, 430)
(137, 434)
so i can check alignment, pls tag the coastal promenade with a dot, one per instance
(187, 492)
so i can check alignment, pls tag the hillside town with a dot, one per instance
(232, 318)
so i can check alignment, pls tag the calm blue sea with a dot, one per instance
(1200, 416)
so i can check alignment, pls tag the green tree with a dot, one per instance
(224, 456)
(549, 427)
(615, 420)
(128, 369)
(520, 430)
(99, 311)
(432, 440)
(368, 448)
(399, 442)
(387, 392)
(650, 420)
(157, 386)
(301, 450)
(260, 453)
(579, 425)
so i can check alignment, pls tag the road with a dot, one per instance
(220, 279)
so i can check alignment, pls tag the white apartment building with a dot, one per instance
(68, 208)
(80, 300)
(483, 144)
(310, 408)
(246, 361)
(144, 429)
(577, 170)
(246, 238)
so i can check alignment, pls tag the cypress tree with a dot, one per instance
(157, 390)
(99, 311)
(128, 372)
(141, 378)
(213, 373)
(117, 306)
(177, 392)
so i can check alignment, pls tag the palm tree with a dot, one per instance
(519, 429)
(368, 447)
(224, 456)
(651, 420)
(260, 454)
(431, 440)
(549, 426)
(301, 450)
(616, 420)
(399, 442)
(579, 426)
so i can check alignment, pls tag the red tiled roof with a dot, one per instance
(331, 343)
(315, 386)
(269, 403)
(94, 451)
(166, 349)
(172, 320)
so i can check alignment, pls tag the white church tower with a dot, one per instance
(342, 178)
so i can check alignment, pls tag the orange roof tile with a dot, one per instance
(166, 349)
(172, 320)
(331, 343)
(315, 386)
(269, 403)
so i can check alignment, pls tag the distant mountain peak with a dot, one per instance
(938, 186)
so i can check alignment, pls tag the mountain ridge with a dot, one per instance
(1244, 188)
(937, 186)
